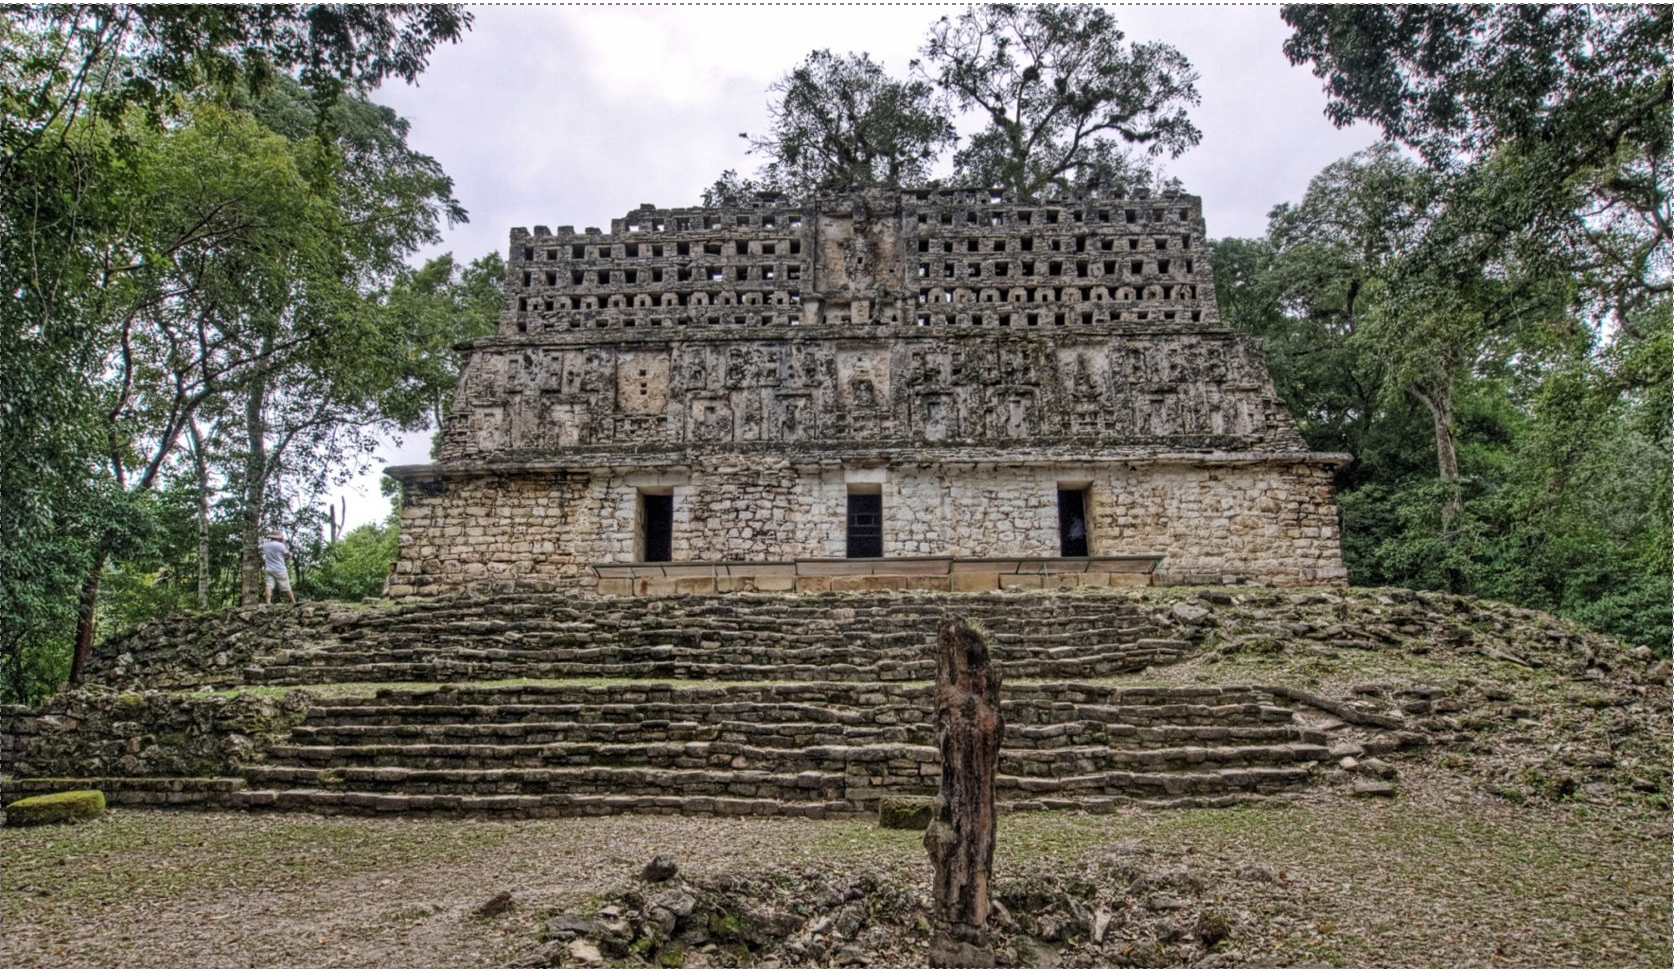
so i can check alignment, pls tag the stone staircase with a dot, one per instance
(855, 638)
(809, 749)
(744, 704)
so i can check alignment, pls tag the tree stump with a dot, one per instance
(960, 838)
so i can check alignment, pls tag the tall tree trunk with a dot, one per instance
(200, 465)
(1440, 404)
(255, 487)
(86, 617)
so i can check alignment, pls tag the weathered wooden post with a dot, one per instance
(960, 838)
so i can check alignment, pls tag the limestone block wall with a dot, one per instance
(1265, 521)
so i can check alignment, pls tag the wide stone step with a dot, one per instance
(789, 733)
(1021, 715)
(320, 801)
(880, 759)
(855, 786)
(690, 665)
(768, 646)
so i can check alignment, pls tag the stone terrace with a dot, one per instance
(747, 704)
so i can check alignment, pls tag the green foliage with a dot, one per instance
(180, 184)
(841, 123)
(1550, 126)
(1061, 93)
(1064, 98)
(1514, 285)
(354, 567)
(1502, 447)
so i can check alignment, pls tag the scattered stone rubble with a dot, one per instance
(1135, 906)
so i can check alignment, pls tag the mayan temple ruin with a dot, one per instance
(935, 389)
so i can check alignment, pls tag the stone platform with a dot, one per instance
(742, 704)
(929, 573)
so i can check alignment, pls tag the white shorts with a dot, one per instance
(278, 580)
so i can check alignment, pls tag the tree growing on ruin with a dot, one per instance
(841, 123)
(1066, 98)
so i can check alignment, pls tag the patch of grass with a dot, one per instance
(129, 853)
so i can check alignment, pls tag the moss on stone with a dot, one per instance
(906, 813)
(55, 808)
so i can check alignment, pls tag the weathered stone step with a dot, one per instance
(772, 645)
(857, 787)
(1135, 652)
(698, 665)
(722, 755)
(788, 733)
(1021, 714)
(319, 801)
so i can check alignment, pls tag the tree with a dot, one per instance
(1550, 124)
(334, 368)
(1061, 91)
(432, 308)
(83, 92)
(841, 123)
(1502, 446)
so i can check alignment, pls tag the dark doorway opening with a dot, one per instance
(656, 516)
(1072, 522)
(865, 526)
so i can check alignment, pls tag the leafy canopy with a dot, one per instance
(1061, 91)
(841, 123)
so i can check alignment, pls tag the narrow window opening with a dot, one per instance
(1072, 522)
(656, 526)
(865, 528)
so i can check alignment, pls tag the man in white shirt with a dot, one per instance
(274, 572)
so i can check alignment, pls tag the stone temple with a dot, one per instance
(935, 389)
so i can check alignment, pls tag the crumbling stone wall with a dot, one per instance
(153, 734)
(958, 353)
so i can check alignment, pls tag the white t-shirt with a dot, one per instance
(273, 555)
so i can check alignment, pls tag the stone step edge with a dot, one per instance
(801, 779)
(583, 805)
(134, 791)
(847, 753)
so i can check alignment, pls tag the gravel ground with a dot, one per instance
(1443, 875)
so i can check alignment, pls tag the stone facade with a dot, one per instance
(962, 358)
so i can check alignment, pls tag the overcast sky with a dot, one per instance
(575, 115)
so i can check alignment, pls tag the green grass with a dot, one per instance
(95, 862)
